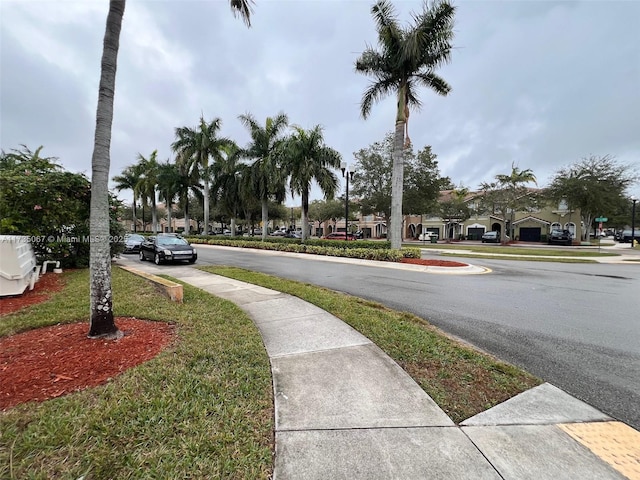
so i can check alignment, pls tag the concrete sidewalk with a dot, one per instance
(345, 410)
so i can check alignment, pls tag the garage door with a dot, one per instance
(530, 234)
(475, 233)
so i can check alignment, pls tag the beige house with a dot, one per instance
(532, 225)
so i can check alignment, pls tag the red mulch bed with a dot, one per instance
(433, 263)
(42, 290)
(52, 361)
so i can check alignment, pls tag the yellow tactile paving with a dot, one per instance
(614, 442)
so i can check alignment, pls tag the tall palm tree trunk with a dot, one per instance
(265, 217)
(154, 213)
(397, 179)
(102, 323)
(305, 215)
(206, 204)
(133, 210)
(169, 215)
(187, 221)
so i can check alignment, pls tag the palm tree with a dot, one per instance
(226, 187)
(308, 159)
(169, 185)
(189, 184)
(148, 183)
(266, 178)
(513, 184)
(101, 323)
(200, 144)
(406, 60)
(128, 180)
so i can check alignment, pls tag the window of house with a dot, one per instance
(571, 227)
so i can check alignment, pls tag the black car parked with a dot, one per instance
(167, 247)
(625, 235)
(562, 237)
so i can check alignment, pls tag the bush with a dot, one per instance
(366, 250)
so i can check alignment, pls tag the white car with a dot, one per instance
(427, 236)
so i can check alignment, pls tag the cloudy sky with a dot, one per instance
(540, 84)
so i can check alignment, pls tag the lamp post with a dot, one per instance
(346, 174)
(633, 220)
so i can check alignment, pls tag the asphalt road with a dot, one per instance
(576, 326)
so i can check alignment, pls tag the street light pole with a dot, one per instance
(633, 220)
(346, 174)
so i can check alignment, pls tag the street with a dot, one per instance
(574, 325)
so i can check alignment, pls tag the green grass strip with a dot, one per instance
(461, 380)
(547, 252)
(519, 258)
(200, 409)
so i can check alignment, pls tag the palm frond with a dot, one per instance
(243, 8)
(434, 82)
(375, 92)
(389, 32)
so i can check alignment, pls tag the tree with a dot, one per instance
(228, 172)
(102, 323)
(128, 180)
(149, 169)
(267, 180)
(322, 211)
(201, 144)
(190, 187)
(597, 185)
(455, 208)
(516, 194)
(372, 185)
(507, 195)
(169, 186)
(407, 59)
(422, 182)
(307, 159)
(41, 200)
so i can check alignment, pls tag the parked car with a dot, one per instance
(427, 236)
(278, 233)
(132, 242)
(562, 237)
(167, 247)
(625, 236)
(491, 237)
(339, 236)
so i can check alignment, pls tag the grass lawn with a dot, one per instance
(203, 408)
(520, 258)
(547, 252)
(461, 380)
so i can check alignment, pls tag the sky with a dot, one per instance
(535, 84)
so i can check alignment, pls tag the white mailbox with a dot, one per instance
(17, 265)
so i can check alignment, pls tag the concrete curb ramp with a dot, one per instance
(345, 410)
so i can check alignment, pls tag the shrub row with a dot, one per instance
(366, 250)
